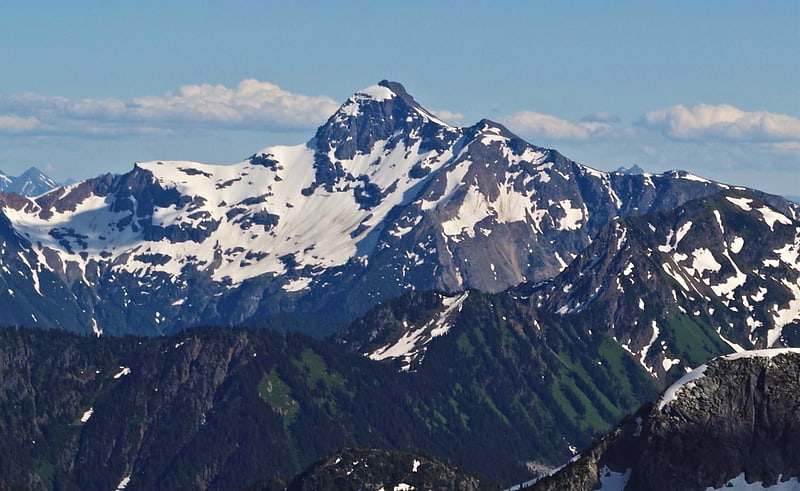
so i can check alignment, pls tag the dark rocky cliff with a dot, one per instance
(737, 421)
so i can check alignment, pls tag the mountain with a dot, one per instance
(731, 423)
(32, 182)
(634, 169)
(384, 199)
(366, 468)
(671, 288)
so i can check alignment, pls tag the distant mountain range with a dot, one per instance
(385, 199)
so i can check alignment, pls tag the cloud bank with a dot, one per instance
(251, 105)
(722, 122)
(538, 125)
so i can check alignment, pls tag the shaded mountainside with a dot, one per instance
(728, 423)
(227, 408)
(386, 198)
(672, 288)
(532, 369)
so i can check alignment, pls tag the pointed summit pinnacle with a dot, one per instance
(371, 115)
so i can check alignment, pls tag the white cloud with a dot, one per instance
(788, 147)
(17, 124)
(722, 122)
(251, 105)
(449, 116)
(538, 125)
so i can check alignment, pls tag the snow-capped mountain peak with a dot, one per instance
(385, 198)
(32, 182)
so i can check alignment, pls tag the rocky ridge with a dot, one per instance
(731, 422)
(673, 288)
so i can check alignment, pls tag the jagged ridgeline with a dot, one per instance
(384, 199)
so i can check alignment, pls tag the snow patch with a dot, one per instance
(743, 203)
(377, 93)
(691, 177)
(736, 245)
(676, 276)
(646, 349)
(668, 363)
(704, 260)
(123, 483)
(681, 233)
(297, 285)
(761, 353)
(473, 209)
(771, 216)
(573, 216)
(739, 483)
(413, 343)
(613, 481)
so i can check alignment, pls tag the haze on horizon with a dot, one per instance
(711, 88)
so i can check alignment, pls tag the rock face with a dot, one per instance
(734, 420)
(385, 199)
(375, 469)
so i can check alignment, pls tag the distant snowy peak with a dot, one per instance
(32, 182)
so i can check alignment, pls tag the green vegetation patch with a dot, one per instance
(278, 395)
(315, 371)
(693, 343)
(464, 346)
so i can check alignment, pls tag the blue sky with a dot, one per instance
(712, 87)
